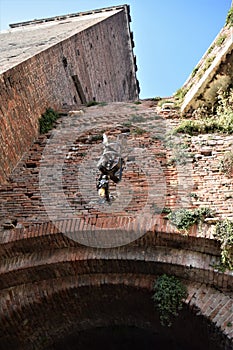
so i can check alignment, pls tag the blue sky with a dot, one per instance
(170, 36)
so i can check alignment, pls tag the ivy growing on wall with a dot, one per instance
(168, 295)
(224, 234)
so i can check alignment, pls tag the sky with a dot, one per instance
(170, 36)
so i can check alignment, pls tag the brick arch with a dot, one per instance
(48, 264)
(34, 275)
(84, 302)
(43, 252)
(41, 266)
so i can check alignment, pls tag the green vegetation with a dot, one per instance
(229, 19)
(220, 40)
(206, 126)
(208, 62)
(183, 219)
(193, 195)
(47, 120)
(224, 234)
(138, 131)
(156, 98)
(91, 103)
(180, 155)
(219, 121)
(166, 210)
(195, 71)
(168, 295)
(180, 95)
(97, 137)
(127, 124)
(210, 49)
(180, 149)
(214, 93)
(95, 103)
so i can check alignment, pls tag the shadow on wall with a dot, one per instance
(136, 326)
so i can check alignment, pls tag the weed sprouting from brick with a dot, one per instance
(183, 218)
(229, 18)
(220, 120)
(47, 120)
(95, 103)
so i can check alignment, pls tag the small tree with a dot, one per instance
(168, 295)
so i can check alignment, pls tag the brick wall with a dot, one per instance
(44, 264)
(95, 64)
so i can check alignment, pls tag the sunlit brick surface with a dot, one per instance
(81, 244)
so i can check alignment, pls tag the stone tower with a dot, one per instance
(58, 62)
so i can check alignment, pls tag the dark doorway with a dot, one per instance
(79, 89)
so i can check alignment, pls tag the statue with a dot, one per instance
(110, 165)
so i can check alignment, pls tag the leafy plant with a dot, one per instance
(97, 137)
(102, 104)
(208, 62)
(221, 121)
(183, 218)
(194, 71)
(212, 93)
(166, 210)
(180, 149)
(224, 234)
(220, 40)
(180, 95)
(47, 120)
(210, 49)
(229, 19)
(139, 131)
(92, 103)
(180, 156)
(168, 295)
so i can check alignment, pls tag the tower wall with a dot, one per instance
(94, 64)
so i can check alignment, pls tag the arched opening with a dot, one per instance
(127, 319)
(113, 316)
